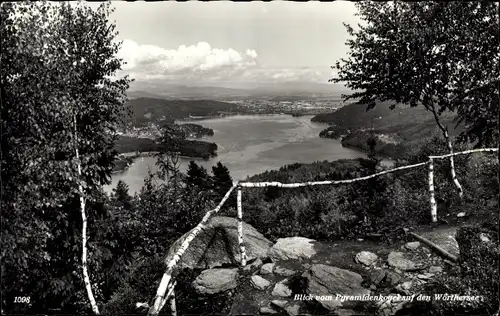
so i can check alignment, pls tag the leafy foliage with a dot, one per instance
(162, 212)
(197, 176)
(444, 56)
(222, 179)
(58, 62)
(476, 275)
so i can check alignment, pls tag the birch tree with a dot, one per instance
(440, 55)
(60, 108)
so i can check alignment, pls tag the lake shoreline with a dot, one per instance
(252, 144)
(133, 156)
(228, 115)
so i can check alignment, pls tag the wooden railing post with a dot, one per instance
(431, 191)
(240, 228)
(170, 294)
(173, 306)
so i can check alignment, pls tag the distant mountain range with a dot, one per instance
(281, 91)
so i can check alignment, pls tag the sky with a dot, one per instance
(230, 44)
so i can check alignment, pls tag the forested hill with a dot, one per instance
(355, 116)
(316, 171)
(145, 110)
(397, 130)
(187, 148)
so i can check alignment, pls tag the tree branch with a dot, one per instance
(438, 249)
(468, 91)
(450, 148)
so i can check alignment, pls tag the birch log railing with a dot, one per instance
(166, 288)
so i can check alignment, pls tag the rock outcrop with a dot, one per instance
(330, 281)
(214, 281)
(292, 308)
(412, 245)
(267, 268)
(399, 261)
(293, 248)
(367, 258)
(281, 289)
(259, 282)
(275, 274)
(217, 244)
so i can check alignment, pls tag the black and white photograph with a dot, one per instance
(250, 158)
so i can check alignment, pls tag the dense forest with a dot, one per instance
(69, 248)
(188, 148)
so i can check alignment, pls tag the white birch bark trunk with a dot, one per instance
(86, 278)
(170, 292)
(444, 130)
(431, 191)
(452, 165)
(173, 305)
(240, 229)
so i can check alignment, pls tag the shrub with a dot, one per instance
(139, 285)
(189, 302)
(407, 205)
(481, 185)
(477, 272)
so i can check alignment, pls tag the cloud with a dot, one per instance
(201, 63)
(145, 61)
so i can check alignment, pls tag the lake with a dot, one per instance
(251, 144)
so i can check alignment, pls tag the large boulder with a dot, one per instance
(267, 269)
(328, 281)
(214, 281)
(377, 276)
(366, 257)
(390, 305)
(267, 310)
(254, 266)
(392, 278)
(217, 244)
(289, 268)
(281, 289)
(435, 269)
(259, 282)
(399, 261)
(284, 271)
(292, 308)
(412, 245)
(295, 248)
